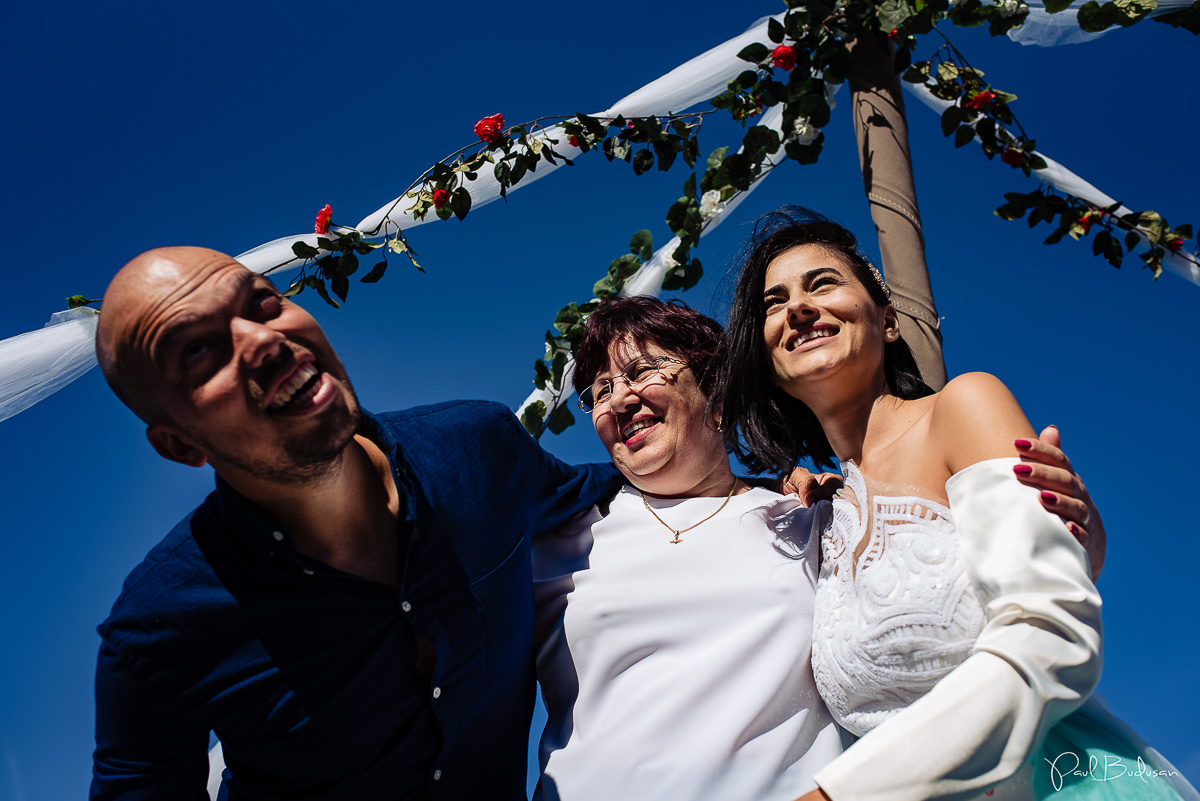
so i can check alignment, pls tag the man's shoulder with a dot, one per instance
(173, 577)
(479, 428)
(450, 414)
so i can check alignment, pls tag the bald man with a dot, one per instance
(350, 611)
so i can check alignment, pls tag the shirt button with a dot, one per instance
(278, 535)
(437, 692)
(406, 606)
(308, 571)
(437, 775)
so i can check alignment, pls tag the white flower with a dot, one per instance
(1008, 8)
(804, 132)
(710, 204)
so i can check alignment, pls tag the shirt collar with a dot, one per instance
(266, 536)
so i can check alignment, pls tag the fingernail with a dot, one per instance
(1022, 444)
(1022, 469)
(1078, 533)
(1050, 498)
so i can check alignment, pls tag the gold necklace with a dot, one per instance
(677, 532)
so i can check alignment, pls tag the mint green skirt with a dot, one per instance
(1092, 756)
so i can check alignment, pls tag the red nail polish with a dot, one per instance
(1022, 444)
(1050, 498)
(1022, 469)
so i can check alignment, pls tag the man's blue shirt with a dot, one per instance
(308, 674)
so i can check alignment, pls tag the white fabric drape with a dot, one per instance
(35, 365)
(1050, 30)
(689, 84)
(1056, 175)
(39, 363)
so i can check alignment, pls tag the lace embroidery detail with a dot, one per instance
(895, 609)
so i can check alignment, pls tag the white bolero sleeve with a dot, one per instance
(1036, 660)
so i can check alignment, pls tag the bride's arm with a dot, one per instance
(1038, 655)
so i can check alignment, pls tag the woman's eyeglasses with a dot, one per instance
(637, 374)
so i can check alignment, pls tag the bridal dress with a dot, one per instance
(961, 644)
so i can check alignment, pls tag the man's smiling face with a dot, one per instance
(241, 377)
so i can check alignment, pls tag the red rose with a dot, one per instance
(573, 141)
(1013, 157)
(784, 57)
(323, 218)
(981, 102)
(1085, 222)
(893, 33)
(489, 128)
(440, 198)
(1175, 244)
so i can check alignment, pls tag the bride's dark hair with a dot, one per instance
(765, 427)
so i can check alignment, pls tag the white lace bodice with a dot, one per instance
(895, 608)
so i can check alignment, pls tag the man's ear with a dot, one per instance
(172, 445)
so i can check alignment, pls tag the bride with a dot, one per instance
(955, 620)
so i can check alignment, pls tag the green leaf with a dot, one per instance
(1056, 237)
(340, 285)
(460, 202)
(641, 244)
(964, 135)
(716, 157)
(604, 288)
(531, 418)
(754, 53)
(319, 285)
(1132, 240)
(947, 71)
(295, 288)
(643, 161)
(558, 366)
(689, 186)
(560, 419)
(917, 73)
(1010, 211)
(775, 31)
(376, 273)
(666, 155)
(347, 264)
(953, 117)
(615, 148)
(1186, 18)
(541, 374)
(1094, 18)
(303, 250)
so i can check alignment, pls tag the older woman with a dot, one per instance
(955, 619)
(675, 623)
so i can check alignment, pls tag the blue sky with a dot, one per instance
(133, 125)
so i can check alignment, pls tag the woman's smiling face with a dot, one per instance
(658, 434)
(819, 318)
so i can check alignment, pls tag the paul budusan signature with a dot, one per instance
(1069, 763)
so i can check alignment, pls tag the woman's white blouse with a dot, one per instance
(681, 671)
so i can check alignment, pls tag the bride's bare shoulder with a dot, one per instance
(976, 417)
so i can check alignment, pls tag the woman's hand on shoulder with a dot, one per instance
(975, 418)
(1044, 466)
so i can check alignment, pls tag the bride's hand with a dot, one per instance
(1045, 467)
